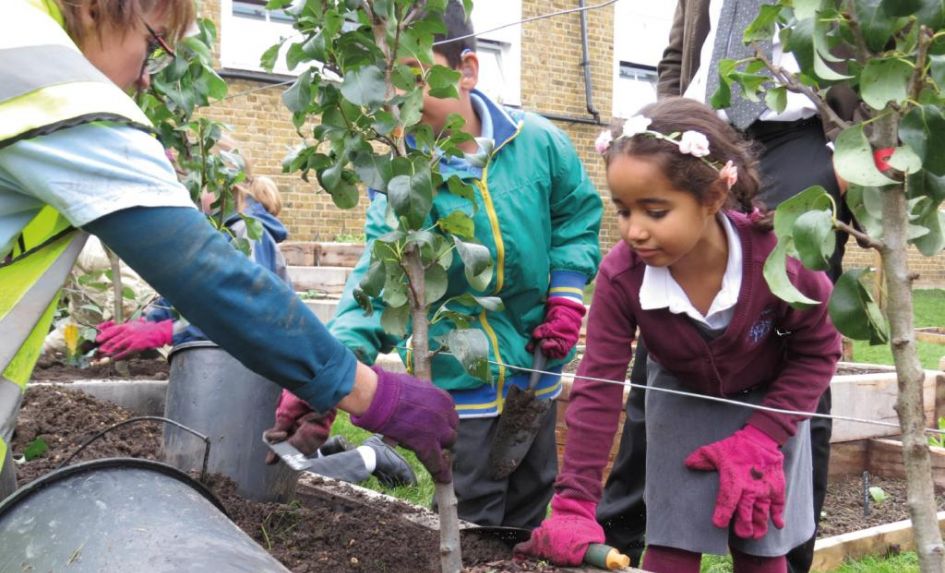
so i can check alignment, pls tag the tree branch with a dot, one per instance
(862, 52)
(790, 82)
(917, 81)
(864, 240)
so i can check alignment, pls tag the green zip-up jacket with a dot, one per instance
(539, 215)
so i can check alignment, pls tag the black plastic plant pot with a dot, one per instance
(123, 514)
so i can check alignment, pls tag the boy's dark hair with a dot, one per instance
(457, 25)
(686, 172)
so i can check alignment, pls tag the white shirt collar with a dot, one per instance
(660, 289)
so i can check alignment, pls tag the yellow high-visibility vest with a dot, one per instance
(46, 84)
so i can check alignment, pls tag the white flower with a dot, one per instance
(603, 141)
(729, 174)
(694, 143)
(634, 125)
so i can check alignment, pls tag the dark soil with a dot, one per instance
(843, 507)
(53, 369)
(316, 533)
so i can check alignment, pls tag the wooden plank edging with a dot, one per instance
(830, 552)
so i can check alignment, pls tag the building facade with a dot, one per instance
(538, 66)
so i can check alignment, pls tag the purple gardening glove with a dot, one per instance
(558, 334)
(121, 340)
(751, 481)
(305, 429)
(564, 537)
(416, 414)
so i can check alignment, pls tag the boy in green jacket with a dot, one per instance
(539, 215)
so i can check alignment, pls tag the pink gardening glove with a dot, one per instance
(121, 340)
(305, 429)
(751, 481)
(564, 537)
(558, 334)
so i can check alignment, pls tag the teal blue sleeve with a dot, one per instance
(364, 334)
(576, 211)
(243, 307)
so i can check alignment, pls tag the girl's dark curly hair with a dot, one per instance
(686, 172)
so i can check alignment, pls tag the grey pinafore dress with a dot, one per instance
(680, 501)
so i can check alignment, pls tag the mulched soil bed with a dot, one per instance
(843, 507)
(327, 536)
(52, 369)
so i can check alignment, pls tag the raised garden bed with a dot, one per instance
(933, 334)
(331, 527)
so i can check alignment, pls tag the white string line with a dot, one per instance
(711, 398)
(457, 39)
(527, 20)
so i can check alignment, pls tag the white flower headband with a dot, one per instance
(689, 143)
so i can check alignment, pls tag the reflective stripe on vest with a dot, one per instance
(69, 91)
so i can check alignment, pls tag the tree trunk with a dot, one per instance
(909, 404)
(451, 557)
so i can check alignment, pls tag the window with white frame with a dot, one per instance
(248, 30)
(641, 32)
(635, 87)
(499, 52)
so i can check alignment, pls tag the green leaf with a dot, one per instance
(810, 199)
(363, 300)
(937, 70)
(923, 129)
(477, 262)
(806, 9)
(373, 170)
(853, 310)
(471, 347)
(878, 494)
(925, 184)
(853, 159)
(394, 320)
(815, 239)
(295, 55)
(442, 82)
(35, 449)
(299, 94)
(411, 109)
(459, 224)
(490, 303)
(268, 59)
(776, 98)
(395, 285)
(932, 220)
(877, 26)
(905, 160)
(897, 8)
(885, 80)
(864, 203)
(127, 293)
(411, 197)
(373, 281)
(435, 282)
(365, 86)
(763, 27)
(775, 273)
(460, 188)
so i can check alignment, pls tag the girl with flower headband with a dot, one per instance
(721, 477)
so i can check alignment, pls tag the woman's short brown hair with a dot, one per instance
(125, 14)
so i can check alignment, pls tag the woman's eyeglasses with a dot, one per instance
(160, 55)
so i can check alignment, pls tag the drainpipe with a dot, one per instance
(586, 64)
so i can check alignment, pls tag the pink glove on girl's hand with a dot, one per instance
(558, 334)
(305, 429)
(121, 340)
(564, 537)
(751, 481)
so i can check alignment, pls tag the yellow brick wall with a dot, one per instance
(552, 83)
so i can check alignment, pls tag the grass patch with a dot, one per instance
(907, 562)
(928, 310)
(420, 494)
